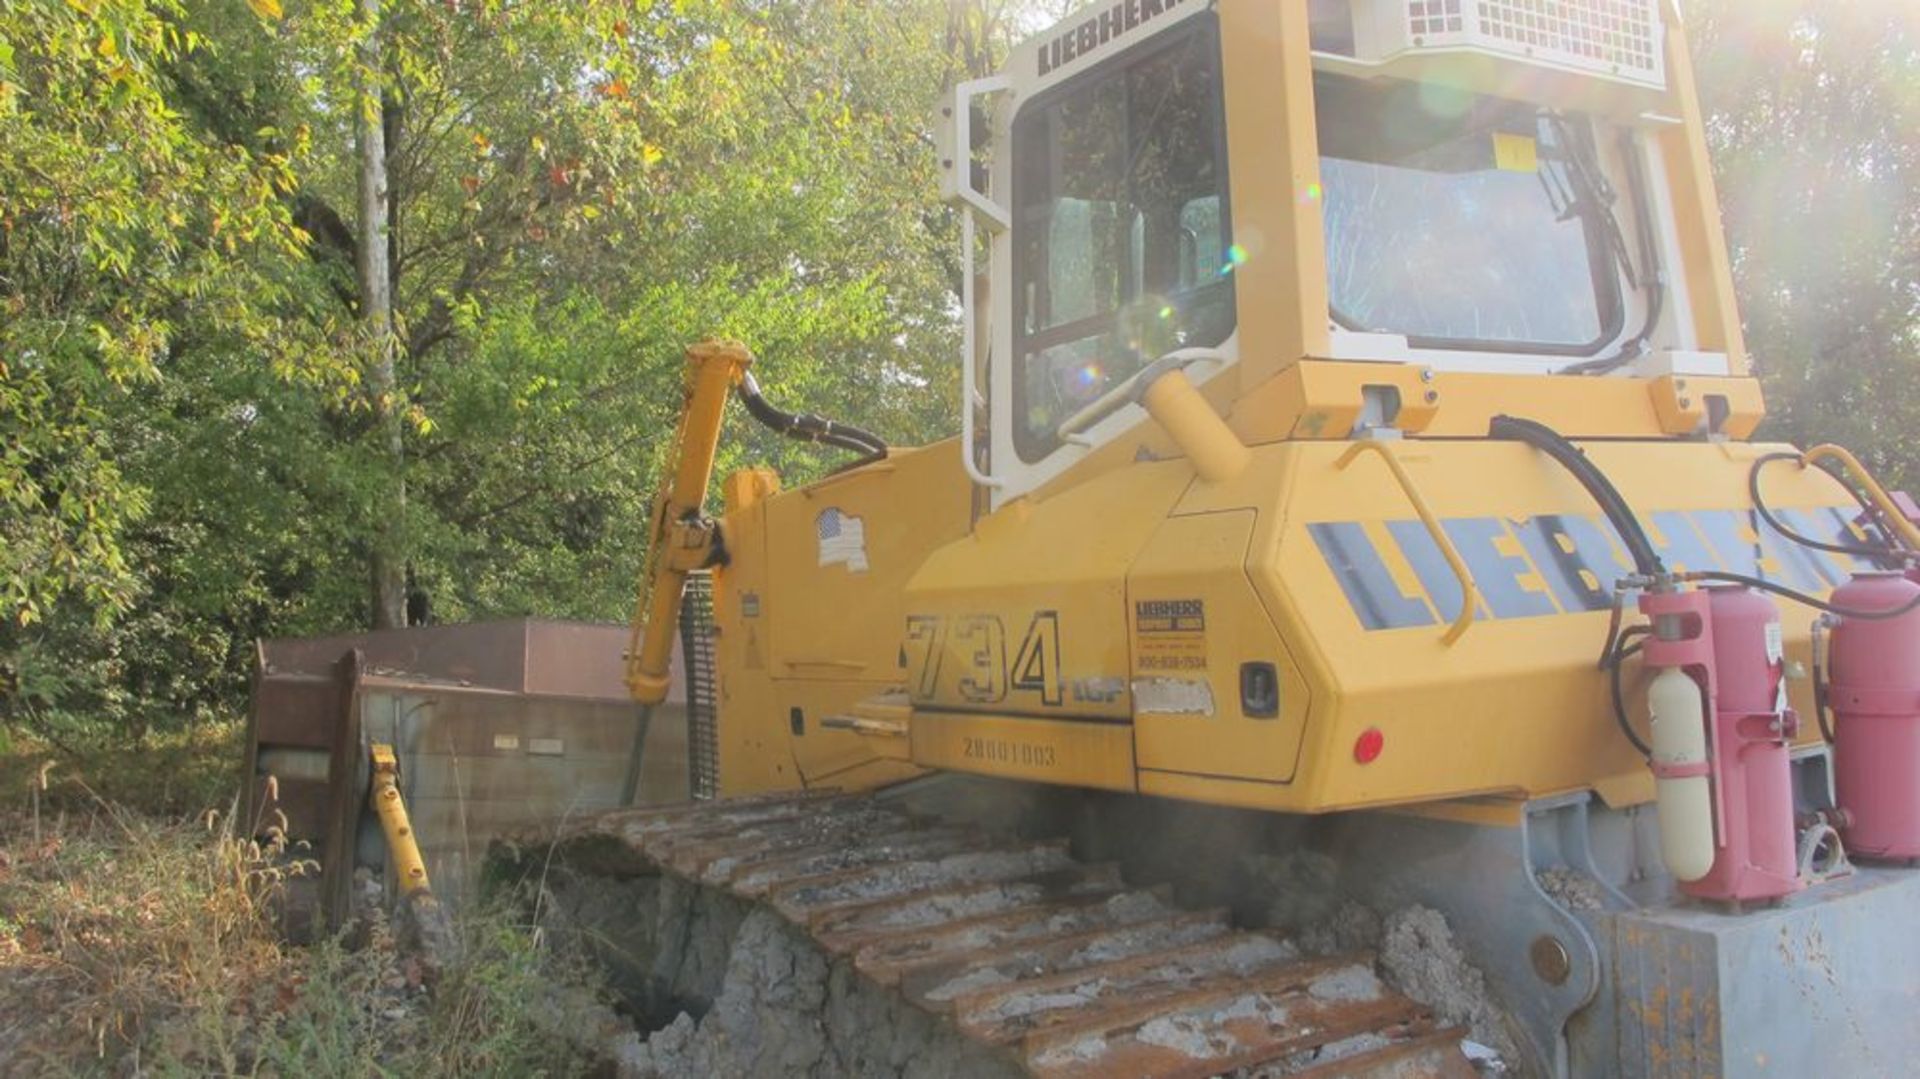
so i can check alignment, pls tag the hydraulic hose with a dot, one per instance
(1622, 651)
(808, 427)
(1817, 651)
(1818, 604)
(1646, 561)
(1766, 514)
(1653, 274)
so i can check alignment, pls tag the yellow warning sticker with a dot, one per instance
(1515, 153)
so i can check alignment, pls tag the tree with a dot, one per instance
(104, 260)
(574, 193)
(387, 564)
(111, 264)
(1814, 119)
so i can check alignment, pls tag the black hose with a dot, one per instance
(1815, 602)
(1646, 560)
(1621, 653)
(1550, 442)
(1874, 513)
(1766, 514)
(1820, 682)
(1654, 275)
(808, 427)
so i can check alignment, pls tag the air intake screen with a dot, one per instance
(1617, 39)
(1612, 32)
(1434, 17)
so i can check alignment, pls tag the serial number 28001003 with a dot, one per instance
(1001, 751)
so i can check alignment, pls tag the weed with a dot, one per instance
(133, 942)
(170, 774)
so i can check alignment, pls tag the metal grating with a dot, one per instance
(703, 698)
(1435, 17)
(1617, 33)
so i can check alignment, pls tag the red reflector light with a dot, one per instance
(1366, 748)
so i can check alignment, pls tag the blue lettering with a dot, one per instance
(1370, 588)
(1577, 558)
(1735, 552)
(1430, 566)
(1678, 543)
(1497, 574)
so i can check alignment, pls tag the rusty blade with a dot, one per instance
(828, 862)
(688, 850)
(786, 859)
(661, 843)
(1433, 1056)
(632, 824)
(1025, 947)
(802, 899)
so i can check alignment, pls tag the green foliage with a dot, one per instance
(120, 227)
(1813, 115)
(193, 455)
(176, 775)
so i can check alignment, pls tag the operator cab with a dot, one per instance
(1480, 188)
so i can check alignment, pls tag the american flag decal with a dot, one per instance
(843, 540)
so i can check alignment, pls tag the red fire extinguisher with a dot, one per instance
(1721, 736)
(1874, 693)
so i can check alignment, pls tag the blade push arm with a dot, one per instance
(682, 538)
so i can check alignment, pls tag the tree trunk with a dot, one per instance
(387, 566)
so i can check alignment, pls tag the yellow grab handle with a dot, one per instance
(1858, 473)
(1469, 592)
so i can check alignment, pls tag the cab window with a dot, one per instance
(1122, 245)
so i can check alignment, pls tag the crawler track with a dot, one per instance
(1059, 963)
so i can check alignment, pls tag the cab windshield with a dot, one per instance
(1465, 222)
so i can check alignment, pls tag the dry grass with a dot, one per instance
(128, 939)
(136, 938)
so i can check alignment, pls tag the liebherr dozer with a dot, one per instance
(1357, 457)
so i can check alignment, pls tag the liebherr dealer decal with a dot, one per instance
(1114, 21)
(1563, 563)
(1170, 635)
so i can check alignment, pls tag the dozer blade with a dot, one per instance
(1055, 961)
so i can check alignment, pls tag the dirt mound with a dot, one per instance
(1421, 959)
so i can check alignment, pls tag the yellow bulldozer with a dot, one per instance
(1355, 460)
